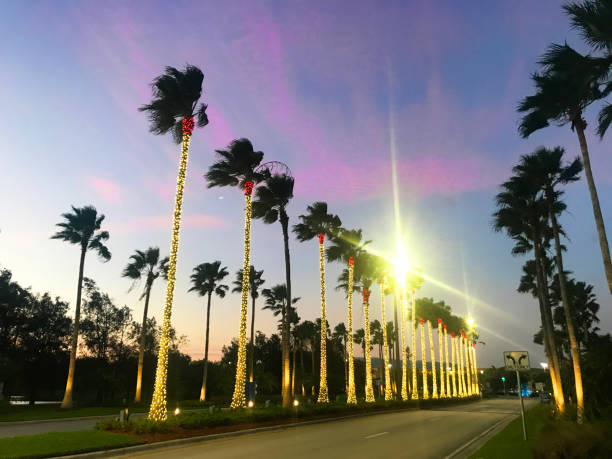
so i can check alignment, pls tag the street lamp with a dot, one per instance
(544, 365)
(470, 322)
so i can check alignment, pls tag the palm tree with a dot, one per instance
(413, 283)
(318, 222)
(382, 272)
(255, 281)
(173, 108)
(522, 214)
(569, 84)
(82, 227)
(346, 246)
(341, 334)
(237, 166)
(306, 331)
(271, 200)
(545, 169)
(276, 301)
(149, 266)
(205, 281)
(367, 272)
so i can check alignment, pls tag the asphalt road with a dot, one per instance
(419, 434)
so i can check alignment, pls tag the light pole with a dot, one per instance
(504, 381)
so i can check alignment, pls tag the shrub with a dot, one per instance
(565, 439)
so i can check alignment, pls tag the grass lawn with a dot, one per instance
(509, 442)
(39, 412)
(62, 443)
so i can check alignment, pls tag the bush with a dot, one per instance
(568, 440)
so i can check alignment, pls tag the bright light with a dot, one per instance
(251, 404)
(544, 365)
(296, 403)
(177, 411)
(482, 372)
(389, 365)
(470, 322)
(401, 265)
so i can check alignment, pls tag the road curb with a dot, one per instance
(479, 440)
(204, 438)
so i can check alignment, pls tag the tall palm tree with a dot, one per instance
(346, 246)
(340, 334)
(569, 83)
(255, 281)
(522, 214)
(175, 104)
(149, 266)
(236, 166)
(413, 283)
(545, 169)
(270, 204)
(82, 227)
(367, 272)
(205, 281)
(382, 272)
(319, 223)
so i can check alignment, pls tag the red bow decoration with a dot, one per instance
(321, 238)
(248, 188)
(421, 320)
(188, 125)
(444, 326)
(351, 261)
(439, 320)
(366, 295)
(452, 334)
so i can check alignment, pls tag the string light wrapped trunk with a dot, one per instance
(469, 369)
(323, 395)
(453, 366)
(403, 308)
(460, 360)
(434, 382)
(158, 410)
(388, 390)
(475, 368)
(369, 390)
(239, 398)
(351, 395)
(423, 359)
(441, 352)
(415, 391)
(447, 363)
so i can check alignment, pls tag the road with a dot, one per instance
(419, 434)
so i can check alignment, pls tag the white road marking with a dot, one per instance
(376, 435)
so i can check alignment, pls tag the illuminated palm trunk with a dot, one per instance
(460, 361)
(468, 367)
(158, 410)
(433, 362)
(351, 396)
(369, 391)
(415, 391)
(446, 364)
(453, 366)
(423, 359)
(239, 398)
(323, 395)
(404, 352)
(477, 387)
(442, 368)
(388, 391)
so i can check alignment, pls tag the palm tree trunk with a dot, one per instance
(351, 396)
(143, 333)
(548, 328)
(67, 401)
(158, 410)
(203, 389)
(397, 354)
(312, 353)
(323, 395)
(345, 366)
(569, 322)
(369, 391)
(302, 364)
(387, 370)
(599, 222)
(293, 374)
(286, 376)
(239, 398)
(415, 391)
(404, 392)
(252, 343)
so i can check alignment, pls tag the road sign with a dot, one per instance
(516, 360)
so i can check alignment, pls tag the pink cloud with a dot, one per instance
(164, 222)
(109, 190)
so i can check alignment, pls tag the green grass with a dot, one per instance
(62, 443)
(40, 412)
(509, 442)
(549, 437)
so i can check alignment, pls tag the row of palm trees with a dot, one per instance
(566, 83)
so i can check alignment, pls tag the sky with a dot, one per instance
(329, 88)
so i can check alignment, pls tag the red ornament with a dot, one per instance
(421, 320)
(188, 125)
(248, 188)
(444, 326)
(474, 345)
(351, 261)
(461, 332)
(452, 334)
(366, 295)
(321, 238)
(439, 320)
